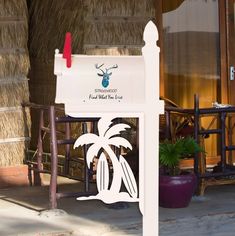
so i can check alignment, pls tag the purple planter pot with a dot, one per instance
(176, 191)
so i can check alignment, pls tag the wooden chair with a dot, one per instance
(223, 172)
(50, 118)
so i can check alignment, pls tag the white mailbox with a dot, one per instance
(110, 87)
(100, 80)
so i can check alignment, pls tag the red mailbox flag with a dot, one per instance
(68, 49)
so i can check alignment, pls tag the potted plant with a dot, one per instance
(176, 187)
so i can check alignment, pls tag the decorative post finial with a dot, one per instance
(150, 33)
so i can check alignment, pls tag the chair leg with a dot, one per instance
(86, 169)
(201, 188)
(36, 174)
(30, 178)
(202, 169)
(54, 159)
(67, 149)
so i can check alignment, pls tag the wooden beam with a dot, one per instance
(159, 24)
(223, 91)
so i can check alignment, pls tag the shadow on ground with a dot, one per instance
(20, 210)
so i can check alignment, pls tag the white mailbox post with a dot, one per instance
(118, 86)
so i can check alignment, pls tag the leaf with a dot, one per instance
(102, 175)
(190, 146)
(85, 139)
(119, 141)
(104, 124)
(169, 154)
(128, 178)
(116, 129)
(92, 152)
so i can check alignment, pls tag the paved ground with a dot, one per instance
(23, 213)
(213, 214)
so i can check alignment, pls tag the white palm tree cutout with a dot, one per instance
(121, 169)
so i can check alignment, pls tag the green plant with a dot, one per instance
(170, 153)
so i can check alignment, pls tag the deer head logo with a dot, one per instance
(105, 74)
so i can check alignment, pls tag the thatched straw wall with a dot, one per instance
(97, 33)
(11, 116)
(49, 21)
(121, 8)
(13, 92)
(14, 65)
(116, 27)
(13, 152)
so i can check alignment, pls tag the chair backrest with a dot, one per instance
(162, 118)
(179, 125)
